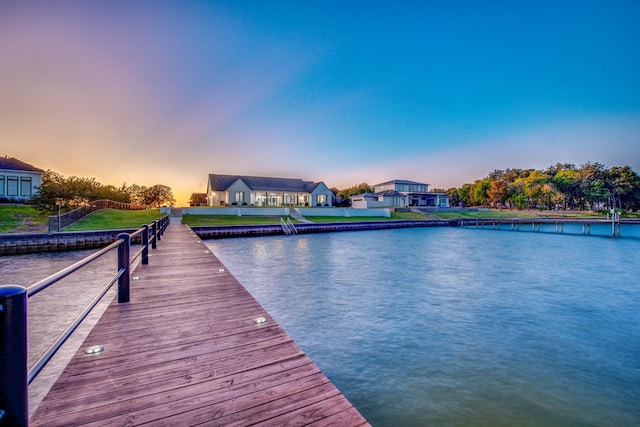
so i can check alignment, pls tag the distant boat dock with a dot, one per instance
(191, 347)
(578, 225)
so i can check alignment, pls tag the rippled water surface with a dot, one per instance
(454, 327)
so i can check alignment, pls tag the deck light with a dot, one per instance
(135, 278)
(260, 320)
(221, 270)
(94, 349)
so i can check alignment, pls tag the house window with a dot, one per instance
(1, 185)
(12, 186)
(25, 186)
(322, 199)
(239, 196)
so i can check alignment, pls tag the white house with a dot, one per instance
(400, 194)
(18, 180)
(239, 190)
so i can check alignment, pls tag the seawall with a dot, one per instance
(28, 243)
(275, 229)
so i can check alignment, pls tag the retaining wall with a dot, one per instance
(27, 243)
(273, 230)
(248, 211)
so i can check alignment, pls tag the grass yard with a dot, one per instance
(498, 213)
(111, 218)
(483, 214)
(224, 220)
(22, 219)
(405, 216)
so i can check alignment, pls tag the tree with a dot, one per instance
(136, 193)
(454, 198)
(497, 192)
(198, 199)
(479, 191)
(464, 194)
(158, 195)
(567, 182)
(343, 196)
(625, 187)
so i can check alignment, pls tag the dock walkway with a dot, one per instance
(187, 350)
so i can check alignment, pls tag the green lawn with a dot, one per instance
(406, 216)
(22, 219)
(483, 214)
(110, 218)
(498, 213)
(223, 220)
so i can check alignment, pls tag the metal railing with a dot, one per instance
(287, 226)
(14, 376)
(58, 222)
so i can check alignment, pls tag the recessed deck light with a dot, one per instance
(260, 320)
(94, 349)
(135, 278)
(221, 270)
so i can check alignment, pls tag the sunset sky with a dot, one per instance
(443, 92)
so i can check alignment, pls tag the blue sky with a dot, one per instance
(344, 92)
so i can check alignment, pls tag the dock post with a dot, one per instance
(154, 231)
(14, 391)
(145, 244)
(123, 263)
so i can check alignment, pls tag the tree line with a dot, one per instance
(73, 192)
(591, 186)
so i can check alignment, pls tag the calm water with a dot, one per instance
(457, 327)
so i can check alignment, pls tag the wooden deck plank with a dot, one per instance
(186, 350)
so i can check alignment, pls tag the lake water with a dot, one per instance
(459, 327)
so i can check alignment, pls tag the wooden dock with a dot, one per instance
(187, 350)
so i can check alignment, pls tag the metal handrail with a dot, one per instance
(13, 310)
(55, 277)
(62, 338)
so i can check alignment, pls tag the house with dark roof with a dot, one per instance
(18, 180)
(400, 193)
(240, 190)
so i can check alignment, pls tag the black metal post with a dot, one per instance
(154, 231)
(159, 235)
(14, 392)
(145, 244)
(123, 263)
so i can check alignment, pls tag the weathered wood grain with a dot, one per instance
(186, 350)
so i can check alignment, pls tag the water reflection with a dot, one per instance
(460, 326)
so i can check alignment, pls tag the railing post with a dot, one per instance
(159, 236)
(14, 392)
(123, 263)
(154, 231)
(145, 244)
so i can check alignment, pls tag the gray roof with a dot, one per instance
(390, 193)
(401, 181)
(363, 195)
(11, 163)
(223, 182)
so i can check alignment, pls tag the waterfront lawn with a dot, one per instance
(22, 219)
(505, 213)
(404, 216)
(106, 219)
(224, 220)
(484, 214)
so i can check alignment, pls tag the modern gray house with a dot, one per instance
(18, 180)
(240, 190)
(400, 193)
